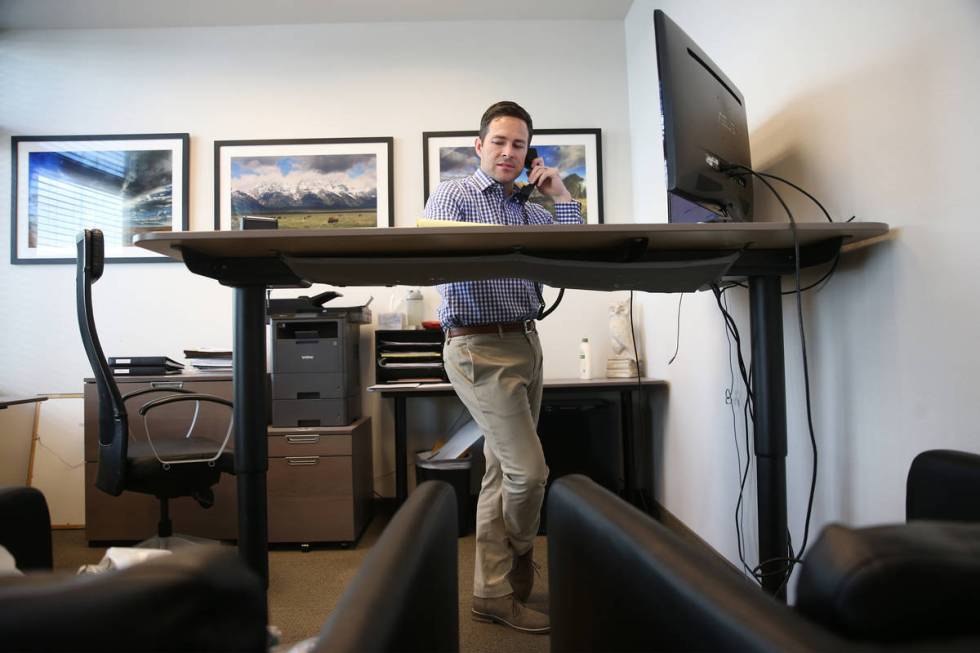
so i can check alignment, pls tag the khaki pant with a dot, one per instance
(498, 377)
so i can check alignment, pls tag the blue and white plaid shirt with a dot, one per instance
(479, 198)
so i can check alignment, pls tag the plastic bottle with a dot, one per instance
(413, 309)
(584, 359)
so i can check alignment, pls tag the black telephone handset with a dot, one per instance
(525, 191)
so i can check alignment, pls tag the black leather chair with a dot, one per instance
(620, 581)
(199, 599)
(406, 595)
(165, 468)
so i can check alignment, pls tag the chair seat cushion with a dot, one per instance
(901, 582)
(147, 475)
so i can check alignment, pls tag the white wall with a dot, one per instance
(378, 79)
(872, 107)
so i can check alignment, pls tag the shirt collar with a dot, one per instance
(483, 180)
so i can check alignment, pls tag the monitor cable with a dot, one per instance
(793, 559)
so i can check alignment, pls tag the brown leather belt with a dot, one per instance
(503, 327)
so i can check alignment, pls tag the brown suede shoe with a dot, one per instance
(522, 574)
(509, 611)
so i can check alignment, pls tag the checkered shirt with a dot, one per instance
(479, 198)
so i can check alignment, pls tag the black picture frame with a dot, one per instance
(124, 184)
(590, 139)
(311, 150)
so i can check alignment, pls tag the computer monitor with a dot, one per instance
(705, 131)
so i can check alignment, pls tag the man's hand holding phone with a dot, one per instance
(547, 180)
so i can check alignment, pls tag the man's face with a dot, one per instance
(503, 149)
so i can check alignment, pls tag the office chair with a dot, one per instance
(901, 587)
(165, 468)
(199, 599)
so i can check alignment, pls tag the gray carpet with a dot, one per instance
(305, 587)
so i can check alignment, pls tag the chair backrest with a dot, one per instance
(406, 595)
(620, 581)
(113, 421)
(943, 485)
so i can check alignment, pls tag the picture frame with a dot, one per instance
(448, 154)
(305, 183)
(123, 184)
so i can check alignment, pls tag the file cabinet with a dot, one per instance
(319, 483)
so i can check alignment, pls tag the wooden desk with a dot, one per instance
(624, 387)
(651, 257)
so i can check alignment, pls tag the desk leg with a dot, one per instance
(769, 382)
(401, 453)
(251, 428)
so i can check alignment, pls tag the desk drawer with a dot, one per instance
(311, 499)
(307, 442)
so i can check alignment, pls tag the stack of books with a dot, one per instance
(143, 365)
(210, 360)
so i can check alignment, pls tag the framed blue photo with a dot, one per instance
(123, 184)
(577, 153)
(314, 183)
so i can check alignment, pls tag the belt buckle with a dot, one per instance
(528, 326)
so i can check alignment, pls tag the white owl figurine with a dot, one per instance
(622, 363)
(619, 330)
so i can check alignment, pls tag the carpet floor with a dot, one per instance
(305, 586)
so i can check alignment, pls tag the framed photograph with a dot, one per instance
(125, 185)
(577, 153)
(314, 183)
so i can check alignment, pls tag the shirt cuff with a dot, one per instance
(568, 212)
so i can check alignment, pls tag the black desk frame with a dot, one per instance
(250, 262)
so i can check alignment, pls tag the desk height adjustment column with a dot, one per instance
(769, 389)
(251, 424)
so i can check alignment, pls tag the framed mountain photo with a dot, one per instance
(316, 183)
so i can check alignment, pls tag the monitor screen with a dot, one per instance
(704, 131)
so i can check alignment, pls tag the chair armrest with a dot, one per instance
(620, 581)
(162, 401)
(25, 527)
(405, 596)
(146, 391)
(943, 485)
(199, 599)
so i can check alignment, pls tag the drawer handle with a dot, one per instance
(303, 460)
(167, 385)
(302, 439)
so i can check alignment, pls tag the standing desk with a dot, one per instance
(650, 257)
(626, 387)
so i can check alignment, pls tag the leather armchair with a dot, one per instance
(619, 580)
(406, 595)
(199, 599)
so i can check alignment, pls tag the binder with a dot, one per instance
(145, 370)
(143, 361)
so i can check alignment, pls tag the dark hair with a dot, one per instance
(505, 108)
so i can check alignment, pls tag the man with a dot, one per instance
(493, 358)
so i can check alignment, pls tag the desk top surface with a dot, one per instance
(551, 384)
(531, 239)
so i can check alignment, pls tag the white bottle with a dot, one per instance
(584, 359)
(413, 309)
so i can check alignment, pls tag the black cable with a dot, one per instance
(740, 538)
(677, 347)
(542, 313)
(639, 394)
(806, 374)
(785, 181)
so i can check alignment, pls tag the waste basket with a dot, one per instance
(456, 472)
